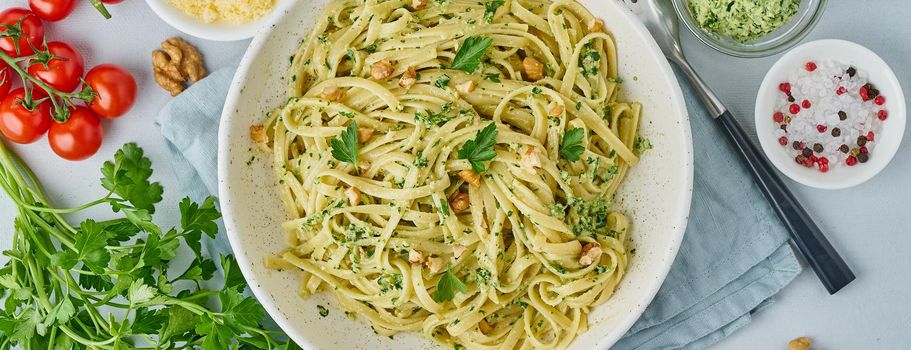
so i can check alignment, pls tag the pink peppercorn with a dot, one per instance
(783, 140)
(785, 88)
(882, 114)
(805, 104)
(823, 167)
(870, 136)
(879, 100)
(794, 108)
(851, 161)
(821, 128)
(863, 94)
(778, 117)
(841, 90)
(811, 66)
(863, 149)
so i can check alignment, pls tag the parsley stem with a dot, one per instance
(93, 203)
(38, 280)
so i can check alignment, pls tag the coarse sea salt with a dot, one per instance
(843, 118)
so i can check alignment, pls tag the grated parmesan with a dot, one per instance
(225, 11)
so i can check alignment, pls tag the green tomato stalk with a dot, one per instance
(61, 101)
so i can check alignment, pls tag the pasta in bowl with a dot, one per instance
(449, 169)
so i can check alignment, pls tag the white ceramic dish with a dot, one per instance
(880, 74)
(656, 194)
(216, 31)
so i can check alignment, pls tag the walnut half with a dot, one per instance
(591, 253)
(175, 63)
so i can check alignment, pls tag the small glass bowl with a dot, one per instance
(777, 41)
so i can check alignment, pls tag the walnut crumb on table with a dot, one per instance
(800, 343)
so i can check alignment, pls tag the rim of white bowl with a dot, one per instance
(890, 136)
(216, 31)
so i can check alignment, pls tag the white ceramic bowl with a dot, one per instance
(216, 31)
(656, 194)
(881, 76)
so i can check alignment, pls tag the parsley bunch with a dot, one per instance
(109, 284)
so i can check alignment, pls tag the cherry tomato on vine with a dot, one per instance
(6, 79)
(61, 72)
(116, 90)
(32, 31)
(21, 124)
(77, 138)
(52, 10)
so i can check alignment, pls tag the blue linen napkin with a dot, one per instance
(733, 259)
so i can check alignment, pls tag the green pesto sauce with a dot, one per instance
(743, 20)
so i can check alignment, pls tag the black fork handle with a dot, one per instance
(808, 238)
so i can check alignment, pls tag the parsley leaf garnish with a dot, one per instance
(642, 144)
(571, 147)
(344, 148)
(442, 81)
(468, 58)
(490, 8)
(447, 286)
(494, 77)
(480, 149)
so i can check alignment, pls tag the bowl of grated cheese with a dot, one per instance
(219, 20)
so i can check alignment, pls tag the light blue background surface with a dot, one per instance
(869, 224)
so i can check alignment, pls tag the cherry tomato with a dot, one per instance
(52, 10)
(116, 90)
(78, 137)
(6, 79)
(20, 124)
(31, 27)
(61, 73)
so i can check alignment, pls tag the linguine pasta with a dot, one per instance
(404, 211)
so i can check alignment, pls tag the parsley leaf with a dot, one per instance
(344, 147)
(447, 286)
(490, 8)
(90, 243)
(128, 177)
(442, 81)
(233, 276)
(197, 219)
(480, 149)
(240, 312)
(642, 144)
(468, 58)
(571, 147)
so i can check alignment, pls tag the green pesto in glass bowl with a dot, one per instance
(750, 28)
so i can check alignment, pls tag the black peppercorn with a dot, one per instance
(842, 115)
(836, 132)
(790, 98)
(796, 145)
(851, 71)
(817, 147)
(844, 148)
(861, 141)
(863, 157)
(784, 127)
(800, 159)
(807, 152)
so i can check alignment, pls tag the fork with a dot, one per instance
(833, 272)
